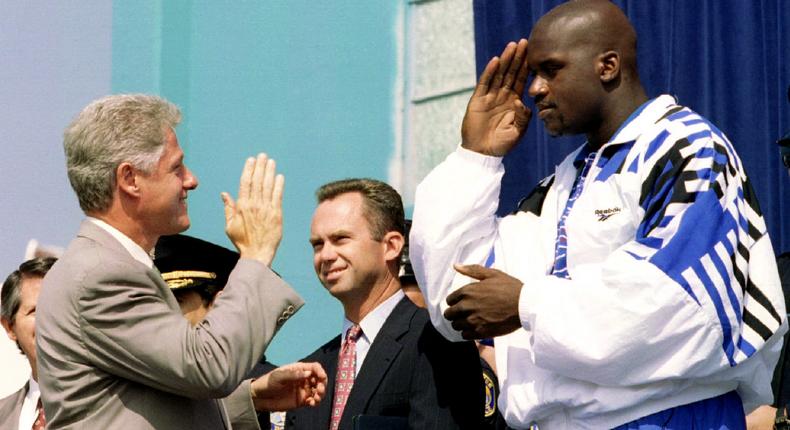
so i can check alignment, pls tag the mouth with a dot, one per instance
(544, 110)
(334, 274)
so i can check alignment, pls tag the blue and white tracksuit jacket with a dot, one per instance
(673, 294)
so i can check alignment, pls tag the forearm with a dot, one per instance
(454, 222)
(154, 345)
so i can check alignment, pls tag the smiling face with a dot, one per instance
(346, 258)
(163, 206)
(22, 329)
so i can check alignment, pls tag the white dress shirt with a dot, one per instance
(28, 414)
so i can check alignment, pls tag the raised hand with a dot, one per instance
(287, 387)
(254, 223)
(487, 308)
(495, 117)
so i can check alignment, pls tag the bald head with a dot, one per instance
(583, 58)
(596, 26)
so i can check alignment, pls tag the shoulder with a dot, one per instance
(328, 349)
(683, 133)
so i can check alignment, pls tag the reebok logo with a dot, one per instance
(604, 214)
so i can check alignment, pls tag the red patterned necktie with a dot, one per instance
(40, 422)
(346, 367)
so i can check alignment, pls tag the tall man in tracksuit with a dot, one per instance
(634, 287)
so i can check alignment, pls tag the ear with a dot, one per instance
(8, 329)
(393, 244)
(609, 66)
(126, 179)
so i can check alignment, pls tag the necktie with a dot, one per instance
(40, 422)
(344, 380)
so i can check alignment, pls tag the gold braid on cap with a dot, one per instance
(184, 278)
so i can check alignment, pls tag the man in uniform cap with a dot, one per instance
(196, 272)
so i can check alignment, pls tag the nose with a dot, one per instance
(537, 88)
(190, 180)
(327, 254)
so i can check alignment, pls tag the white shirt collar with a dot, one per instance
(29, 413)
(373, 321)
(135, 250)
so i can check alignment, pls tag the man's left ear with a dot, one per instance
(609, 66)
(9, 328)
(393, 243)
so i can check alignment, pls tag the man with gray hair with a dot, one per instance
(22, 410)
(114, 350)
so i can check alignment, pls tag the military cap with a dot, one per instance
(187, 262)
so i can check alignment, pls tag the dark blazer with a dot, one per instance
(410, 371)
(11, 408)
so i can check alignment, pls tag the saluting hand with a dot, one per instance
(495, 117)
(487, 308)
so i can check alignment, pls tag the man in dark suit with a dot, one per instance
(22, 409)
(389, 364)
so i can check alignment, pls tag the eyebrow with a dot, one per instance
(334, 234)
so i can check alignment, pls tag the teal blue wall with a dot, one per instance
(309, 82)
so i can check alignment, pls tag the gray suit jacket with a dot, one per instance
(11, 408)
(115, 352)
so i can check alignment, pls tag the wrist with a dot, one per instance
(264, 257)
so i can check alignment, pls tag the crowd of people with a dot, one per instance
(635, 287)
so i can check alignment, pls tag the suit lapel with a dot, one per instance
(382, 354)
(328, 360)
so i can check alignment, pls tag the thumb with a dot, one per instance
(522, 115)
(230, 206)
(475, 271)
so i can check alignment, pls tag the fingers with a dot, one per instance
(258, 175)
(317, 370)
(475, 271)
(504, 66)
(246, 178)
(459, 319)
(485, 78)
(523, 68)
(268, 179)
(522, 115)
(230, 206)
(277, 192)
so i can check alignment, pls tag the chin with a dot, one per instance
(183, 224)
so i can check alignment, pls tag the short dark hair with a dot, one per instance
(383, 206)
(10, 296)
(207, 293)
